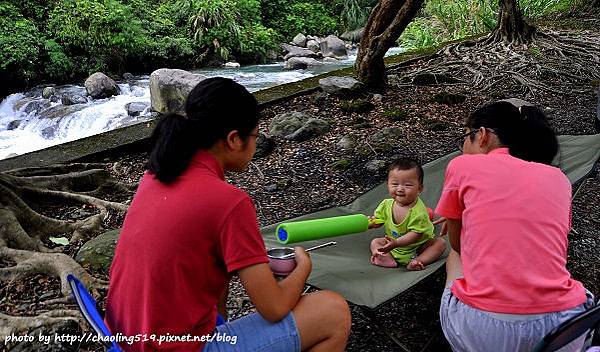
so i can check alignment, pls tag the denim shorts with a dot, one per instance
(253, 333)
(471, 329)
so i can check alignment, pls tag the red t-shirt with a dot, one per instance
(173, 260)
(515, 220)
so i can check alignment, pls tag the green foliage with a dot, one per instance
(58, 66)
(355, 13)
(20, 43)
(307, 18)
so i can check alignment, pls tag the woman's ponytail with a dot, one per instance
(173, 148)
(537, 140)
(524, 130)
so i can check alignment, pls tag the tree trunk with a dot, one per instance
(511, 27)
(386, 22)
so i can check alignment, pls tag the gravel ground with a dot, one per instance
(298, 178)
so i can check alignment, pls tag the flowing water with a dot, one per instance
(29, 122)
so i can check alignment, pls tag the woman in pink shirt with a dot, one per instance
(508, 217)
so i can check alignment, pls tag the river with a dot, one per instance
(29, 122)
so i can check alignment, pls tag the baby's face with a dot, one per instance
(404, 186)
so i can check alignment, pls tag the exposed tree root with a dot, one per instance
(486, 63)
(24, 231)
(16, 325)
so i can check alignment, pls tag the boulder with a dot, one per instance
(264, 145)
(99, 86)
(376, 166)
(340, 85)
(386, 138)
(333, 46)
(299, 40)
(37, 106)
(48, 92)
(97, 253)
(58, 111)
(135, 108)
(287, 123)
(312, 128)
(72, 99)
(301, 63)
(296, 51)
(313, 46)
(127, 76)
(232, 65)
(353, 36)
(169, 89)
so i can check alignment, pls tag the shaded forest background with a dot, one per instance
(60, 41)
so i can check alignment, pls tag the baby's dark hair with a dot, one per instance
(407, 164)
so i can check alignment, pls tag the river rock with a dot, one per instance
(48, 92)
(299, 40)
(99, 86)
(301, 63)
(72, 99)
(13, 125)
(36, 105)
(169, 89)
(232, 65)
(58, 111)
(312, 128)
(22, 102)
(340, 85)
(313, 46)
(48, 132)
(376, 166)
(264, 145)
(296, 51)
(386, 138)
(332, 46)
(288, 123)
(135, 108)
(97, 253)
(354, 35)
(127, 76)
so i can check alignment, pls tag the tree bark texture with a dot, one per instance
(512, 27)
(386, 22)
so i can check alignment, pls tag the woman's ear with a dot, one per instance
(233, 140)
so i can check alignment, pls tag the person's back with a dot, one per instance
(173, 231)
(514, 234)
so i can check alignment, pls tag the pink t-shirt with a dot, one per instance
(515, 219)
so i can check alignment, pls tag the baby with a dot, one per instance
(409, 239)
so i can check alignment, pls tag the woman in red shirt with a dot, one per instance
(508, 216)
(188, 230)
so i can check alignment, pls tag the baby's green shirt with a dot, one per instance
(416, 220)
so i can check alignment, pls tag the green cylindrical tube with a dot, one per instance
(300, 231)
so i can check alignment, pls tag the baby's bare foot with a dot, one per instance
(415, 265)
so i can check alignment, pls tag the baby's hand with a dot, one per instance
(391, 244)
(375, 222)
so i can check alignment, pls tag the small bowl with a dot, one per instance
(280, 266)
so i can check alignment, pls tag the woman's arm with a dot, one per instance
(454, 226)
(272, 299)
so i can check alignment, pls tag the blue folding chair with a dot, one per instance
(87, 306)
(89, 309)
(584, 323)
